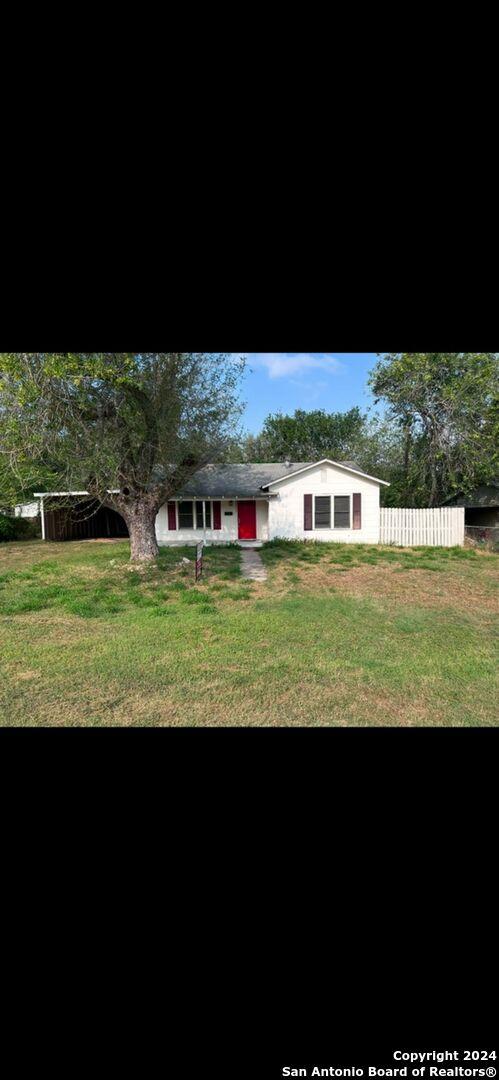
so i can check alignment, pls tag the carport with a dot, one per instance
(72, 515)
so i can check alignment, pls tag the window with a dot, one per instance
(323, 511)
(207, 510)
(185, 516)
(342, 511)
(199, 515)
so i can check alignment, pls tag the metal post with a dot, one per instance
(199, 559)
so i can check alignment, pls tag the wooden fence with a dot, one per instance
(442, 526)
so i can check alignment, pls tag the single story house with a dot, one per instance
(481, 506)
(29, 510)
(321, 500)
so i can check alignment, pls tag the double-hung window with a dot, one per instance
(207, 515)
(185, 515)
(322, 511)
(342, 511)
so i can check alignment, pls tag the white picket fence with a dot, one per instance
(442, 526)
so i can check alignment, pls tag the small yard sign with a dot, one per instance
(199, 559)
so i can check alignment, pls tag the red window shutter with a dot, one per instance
(172, 515)
(307, 511)
(217, 515)
(357, 511)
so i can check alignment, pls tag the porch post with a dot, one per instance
(42, 508)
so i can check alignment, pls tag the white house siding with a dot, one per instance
(262, 519)
(228, 534)
(286, 510)
(27, 510)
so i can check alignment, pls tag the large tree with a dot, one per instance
(446, 406)
(129, 428)
(306, 436)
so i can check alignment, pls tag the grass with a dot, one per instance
(338, 635)
(294, 552)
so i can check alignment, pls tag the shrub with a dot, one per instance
(18, 528)
(7, 530)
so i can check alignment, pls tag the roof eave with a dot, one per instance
(64, 494)
(325, 461)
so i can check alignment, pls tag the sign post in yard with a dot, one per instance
(199, 559)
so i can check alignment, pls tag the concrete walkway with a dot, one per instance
(252, 566)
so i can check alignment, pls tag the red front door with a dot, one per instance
(246, 514)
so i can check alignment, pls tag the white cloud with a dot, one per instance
(282, 365)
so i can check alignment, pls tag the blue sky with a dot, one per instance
(288, 381)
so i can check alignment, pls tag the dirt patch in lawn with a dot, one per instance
(326, 705)
(16, 672)
(442, 590)
(396, 586)
(105, 540)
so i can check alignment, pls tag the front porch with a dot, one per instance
(216, 521)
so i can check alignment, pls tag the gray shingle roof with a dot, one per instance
(487, 495)
(240, 481)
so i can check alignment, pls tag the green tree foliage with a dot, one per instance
(375, 445)
(380, 452)
(445, 407)
(439, 434)
(20, 477)
(130, 428)
(306, 436)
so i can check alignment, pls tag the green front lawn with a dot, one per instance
(337, 635)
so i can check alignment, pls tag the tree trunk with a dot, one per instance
(408, 493)
(140, 517)
(433, 500)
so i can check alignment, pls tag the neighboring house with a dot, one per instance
(481, 506)
(323, 500)
(27, 510)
